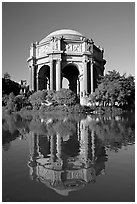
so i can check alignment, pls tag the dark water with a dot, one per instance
(68, 159)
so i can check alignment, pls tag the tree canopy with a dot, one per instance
(6, 76)
(115, 89)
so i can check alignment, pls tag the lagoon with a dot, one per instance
(68, 158)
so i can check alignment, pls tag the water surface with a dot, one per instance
(68, 159)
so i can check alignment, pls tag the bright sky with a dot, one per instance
(110, 24)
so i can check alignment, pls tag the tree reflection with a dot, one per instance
(67, 154)
(13, 126)
(115, 132)
(67, 163)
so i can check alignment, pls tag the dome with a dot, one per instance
(63, 32)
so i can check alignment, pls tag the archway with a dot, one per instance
(71, 73)
(43, 77)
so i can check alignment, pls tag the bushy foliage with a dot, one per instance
(38, 97)
(41, 99)
(9, 86)
(65, 97)
(115, 89)
(62, 97)
(5, 99)
(16, 103)
(11, 104)
(6, 76)
(21, 101)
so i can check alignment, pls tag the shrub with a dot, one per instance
(11, 103)
(16, 103)
(21, 101)
(65, 97)
(38, 97)
(5, 99)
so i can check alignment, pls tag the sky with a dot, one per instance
(110, 24)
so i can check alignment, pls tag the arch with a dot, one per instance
(71, 73)
(43, 77)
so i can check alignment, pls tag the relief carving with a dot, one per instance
(55, 44)
(43, 50)
(73, 48)
(89, 47)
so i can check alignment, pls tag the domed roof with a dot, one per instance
(62, 32)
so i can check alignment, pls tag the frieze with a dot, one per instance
(74, 48)
(43, 50)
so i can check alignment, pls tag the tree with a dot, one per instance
(115, 89)
(38, 97)
(6, 76)
(65, 97)
(9, 86)
(11, 103)
(127, 91)
(20, 102)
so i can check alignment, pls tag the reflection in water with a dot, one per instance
(67, 154)
(13, 127)
(67, 163)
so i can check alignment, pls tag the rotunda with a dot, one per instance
(66, 59)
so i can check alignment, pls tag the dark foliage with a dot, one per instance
(9, 86)
(115, 89)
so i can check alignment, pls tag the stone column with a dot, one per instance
(77, 86)
(91, 77)
(51, 75)
(37, 81)
(58, 75)
(81, 86)
(30, 78)
(33, 78)
(59, 44)
(85, 78)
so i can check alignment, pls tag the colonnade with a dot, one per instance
(60, 49)
(82, 81)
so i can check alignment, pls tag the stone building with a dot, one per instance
(66, 58)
